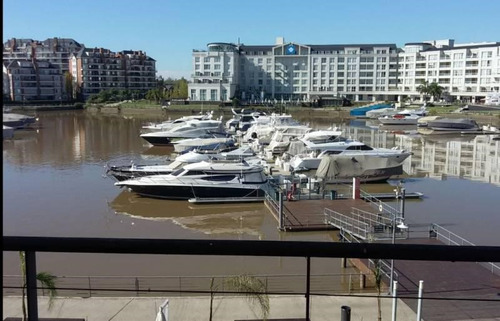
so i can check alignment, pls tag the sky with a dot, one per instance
(168, 31)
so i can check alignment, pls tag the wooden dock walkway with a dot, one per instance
(452, 290)
(308, 215)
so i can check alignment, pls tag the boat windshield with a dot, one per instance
(177, 172)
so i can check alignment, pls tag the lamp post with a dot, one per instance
(400, 193)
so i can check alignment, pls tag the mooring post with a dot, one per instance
(419, 304)
(280, 209)
(356, 192)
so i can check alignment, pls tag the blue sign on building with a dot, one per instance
(290, 50)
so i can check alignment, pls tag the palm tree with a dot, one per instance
(423, 89)
(435, 90)
(377, 273)
(46, 279)
(252, 287)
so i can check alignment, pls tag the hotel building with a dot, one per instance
(289, 71)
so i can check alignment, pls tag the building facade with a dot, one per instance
(99, 69)
(362, 72)
(92, 70)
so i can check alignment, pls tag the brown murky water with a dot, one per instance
(54, 185)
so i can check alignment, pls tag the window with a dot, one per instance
(340, 59)
(384, 59)
(196, 59)
(323, 60)
(259, 61)
(457, 56)
(216, 67)
(206, 59)
(458, 64)
(197, 66)
(206, 67)
(486, 54)
(352, 60)
(352, 52)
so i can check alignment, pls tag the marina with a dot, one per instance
(431, 194)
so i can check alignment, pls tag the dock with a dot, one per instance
(225, 199)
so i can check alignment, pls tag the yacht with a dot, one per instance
(331, 140)
(191, 129)
(169, 124)
(244, 120)
(305, 162)
(124, 172)
(209, 143)
(203, 180)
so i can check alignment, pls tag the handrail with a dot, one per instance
(251, 248)
(442, 233)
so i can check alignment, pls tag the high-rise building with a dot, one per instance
(288, 71)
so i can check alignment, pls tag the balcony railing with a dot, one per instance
(307, 250)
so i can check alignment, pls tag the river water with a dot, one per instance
(54, 184)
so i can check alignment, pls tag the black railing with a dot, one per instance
(31, 245)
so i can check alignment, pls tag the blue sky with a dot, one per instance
(169, 30)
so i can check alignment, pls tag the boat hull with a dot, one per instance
(185, 192)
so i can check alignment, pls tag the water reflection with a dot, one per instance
(474, 157)
(236, 219)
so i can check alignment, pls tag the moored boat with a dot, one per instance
(203, 180)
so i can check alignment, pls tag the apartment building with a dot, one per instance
(467, 72)
(93, 70)
(99, 69)
(32, 80)
(294, 72)
(32, 54)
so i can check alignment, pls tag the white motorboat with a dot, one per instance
(399, 119)
(331, 141)
(376, 113)
(169, 124)
(203, 143)
(444, 125)
(203, 180)
(312, 160)
(282, 137)
(244, 120)
(263, 131)
(124, 172)
(192, 129)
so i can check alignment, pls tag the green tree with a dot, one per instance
(435, 90)
(423, 89)
(46, 279)
(68, 85)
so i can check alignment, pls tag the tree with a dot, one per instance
(254, 289)
(423, 89)
(68, 85)
(377, 273)
(46, 279)
(435, 90)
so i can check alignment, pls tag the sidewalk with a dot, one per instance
(198, 308)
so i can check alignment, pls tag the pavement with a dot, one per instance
(198, 308)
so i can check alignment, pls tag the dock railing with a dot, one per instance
(354, 226)
(450, 238)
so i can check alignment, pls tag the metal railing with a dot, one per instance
(450, 238)
(353, 226)
(307, 250)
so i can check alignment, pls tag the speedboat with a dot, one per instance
(305, 162)
(169, 124)
(332, 141)
(125, 172)
(244, 120)
(203, 180)
(192, 129)
(453, 124)
(399, 119)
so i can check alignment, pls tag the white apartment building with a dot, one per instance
(467, 72)
(359, 72)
